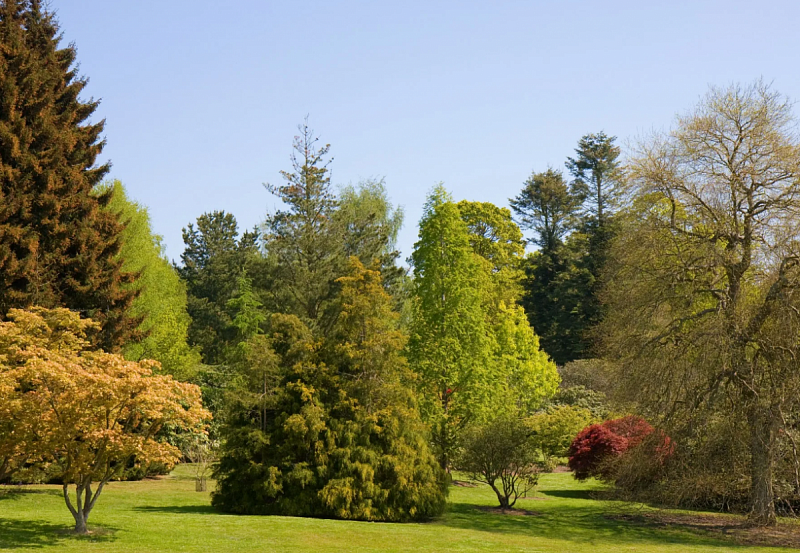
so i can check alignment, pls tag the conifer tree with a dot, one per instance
(327, 427)
(305, 250)
(58, 246)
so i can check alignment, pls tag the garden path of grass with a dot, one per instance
(168, 515)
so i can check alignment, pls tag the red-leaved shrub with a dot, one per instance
(597, 445)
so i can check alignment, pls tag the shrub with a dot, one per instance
(553, 430)
(501, 450)
(595, 448)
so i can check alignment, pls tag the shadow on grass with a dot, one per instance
(16, 492)
(589, 523)
(37, 534)
(180, 509)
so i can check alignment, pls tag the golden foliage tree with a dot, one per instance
(87, 413)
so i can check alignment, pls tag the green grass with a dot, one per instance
(168, 515)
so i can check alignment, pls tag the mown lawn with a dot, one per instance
(168, 515)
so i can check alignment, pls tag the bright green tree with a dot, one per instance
(522, 375)
(161, 295)
(449, 346)
(58, 246)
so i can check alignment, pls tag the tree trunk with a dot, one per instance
(762, 442)
(501, 497)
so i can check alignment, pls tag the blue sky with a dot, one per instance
(202, 98)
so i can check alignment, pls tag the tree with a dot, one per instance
(549, 207)
(703, 298)
(58, 246)
(213, 259)
(596, 171)
(161, 295)
(559, 298)
(521, 374)
(306, 252)
(368, 224)
(448, 347)
(337, 433)
(93, 411)
(501, 450)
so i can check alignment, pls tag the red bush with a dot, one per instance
(595, 446)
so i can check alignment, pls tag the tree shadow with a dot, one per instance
(590, 524)
(38, 534)
(577, 494)
(17, 492)
(180, 509)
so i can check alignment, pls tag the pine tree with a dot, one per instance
(213, 259)
(58, 246)
(328, 428)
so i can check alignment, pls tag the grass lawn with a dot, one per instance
(168, 515)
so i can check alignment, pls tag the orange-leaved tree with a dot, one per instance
(86, 412)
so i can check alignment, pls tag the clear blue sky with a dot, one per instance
(202, 98)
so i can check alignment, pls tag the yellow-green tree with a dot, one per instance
(85, 412)
(160, 303)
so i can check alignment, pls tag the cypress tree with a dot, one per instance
(58, 246)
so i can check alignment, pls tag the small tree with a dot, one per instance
(94, 412)
(202, 453)
(501, 450)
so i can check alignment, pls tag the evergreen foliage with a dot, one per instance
(213, 259)
(161, 295)
(306, 252)
(334, 432)
(574, 226)
(58, 246)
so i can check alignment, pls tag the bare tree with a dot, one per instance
(704, 300)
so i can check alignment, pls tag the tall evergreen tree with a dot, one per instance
(596, 171)
(548, 207)
(327, 427)
(305, 251)
(58, 246)
(213, 259)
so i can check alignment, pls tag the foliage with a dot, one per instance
(87, 412)
(553, 430)
(332, 430)
(58, 246)
(448, 347)
(558, 296)
(594, 449)
(305, 249)
(549, 207)
(368, 224)
(703, 309)
(501, 450)
(213, 259)
(596, 169)
(161, 296)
